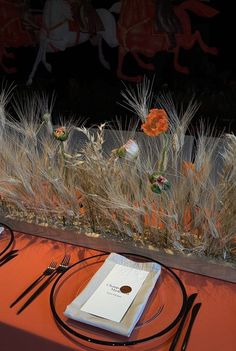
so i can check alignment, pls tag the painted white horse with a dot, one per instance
(55, 34)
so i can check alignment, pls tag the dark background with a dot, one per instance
(85, 89)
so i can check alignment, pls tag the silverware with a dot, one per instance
(190, 302)
(194, 313)
(7, 259)
(10, 253)
(48, 271)
(64, 265)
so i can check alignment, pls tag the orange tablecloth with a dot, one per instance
(36, 330)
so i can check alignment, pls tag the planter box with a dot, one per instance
(200, 265)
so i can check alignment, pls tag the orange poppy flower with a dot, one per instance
(156, 122)
(189, 168)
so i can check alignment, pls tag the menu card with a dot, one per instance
(115, 294)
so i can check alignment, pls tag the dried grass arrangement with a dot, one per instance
(152, 188)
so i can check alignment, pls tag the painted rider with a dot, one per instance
(167, 21)
(88, 18)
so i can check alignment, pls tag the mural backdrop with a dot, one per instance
(83, 50)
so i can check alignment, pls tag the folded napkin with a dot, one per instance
(126, 325)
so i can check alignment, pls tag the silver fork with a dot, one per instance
(63, 266)
(48, 271)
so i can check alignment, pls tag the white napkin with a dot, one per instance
(131, 317)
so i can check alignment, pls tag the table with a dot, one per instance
(36, 330)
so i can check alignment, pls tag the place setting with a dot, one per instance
(111, 299)
(121, 300)
(7, 240)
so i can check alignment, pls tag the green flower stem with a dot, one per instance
(161, 164)
(64, 168)
(62, 149)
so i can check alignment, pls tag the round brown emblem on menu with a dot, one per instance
(125, 289)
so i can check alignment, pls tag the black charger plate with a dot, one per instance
(169, 292)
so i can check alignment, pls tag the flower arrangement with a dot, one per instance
(153, 185)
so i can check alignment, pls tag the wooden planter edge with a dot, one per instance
(194, 264)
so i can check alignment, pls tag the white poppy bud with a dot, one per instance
(129, 151)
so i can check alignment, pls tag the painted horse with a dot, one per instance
(60, 30)
(138, 33)
(55, 29)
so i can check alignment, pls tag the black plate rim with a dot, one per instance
(11, 238)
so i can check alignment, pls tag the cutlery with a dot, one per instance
(10, 253)
(63, 266)
(190, 302)
(48, 271)
(7, 259)
(194, 313)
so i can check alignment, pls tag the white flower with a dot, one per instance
(129, 151)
